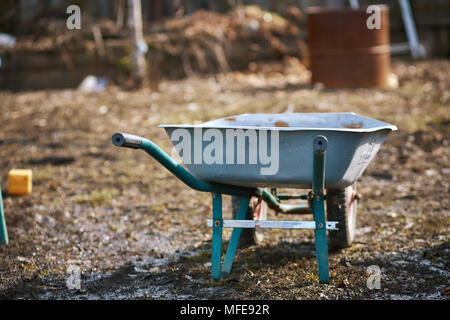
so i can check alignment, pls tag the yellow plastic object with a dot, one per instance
(20, 181)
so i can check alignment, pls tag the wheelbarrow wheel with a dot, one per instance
(257, 210)
(341, 207)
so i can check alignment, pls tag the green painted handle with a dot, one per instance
(133, 141)
(136, 142)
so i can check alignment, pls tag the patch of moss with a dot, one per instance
(202, 257)
(97, 197)
(125, 63)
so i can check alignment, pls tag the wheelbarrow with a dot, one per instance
(250, 156)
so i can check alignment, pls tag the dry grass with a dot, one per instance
(136, 231)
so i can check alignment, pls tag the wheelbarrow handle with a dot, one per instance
(132, 141)
(126, 140)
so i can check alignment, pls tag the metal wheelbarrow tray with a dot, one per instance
(353, 141)
(240, 155)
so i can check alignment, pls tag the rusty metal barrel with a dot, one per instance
(344, 52)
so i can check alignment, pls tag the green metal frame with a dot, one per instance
(219, 270)
(318, 209)
(315, 205)
(3, 230)
(216, 253)
(318, 185)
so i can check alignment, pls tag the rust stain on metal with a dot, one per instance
(356, 125)
(230, 119)
(281, 123)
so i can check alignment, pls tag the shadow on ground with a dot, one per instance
(188, 276)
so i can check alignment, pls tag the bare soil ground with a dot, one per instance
(135, 231)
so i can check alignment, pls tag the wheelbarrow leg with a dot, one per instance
(320, 146)
(235, 236)
(218, 270)
(216, 254)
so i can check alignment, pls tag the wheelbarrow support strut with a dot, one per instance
(222, 270)
(219, 270)
(320, 147)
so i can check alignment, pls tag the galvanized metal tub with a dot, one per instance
(344, 52)
(353, 141)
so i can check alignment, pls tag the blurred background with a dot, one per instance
(179, 38)
(131, 228)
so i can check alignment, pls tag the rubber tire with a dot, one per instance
(337, 211)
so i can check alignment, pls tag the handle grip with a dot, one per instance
(126, 140)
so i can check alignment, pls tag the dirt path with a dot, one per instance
(135, 231)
